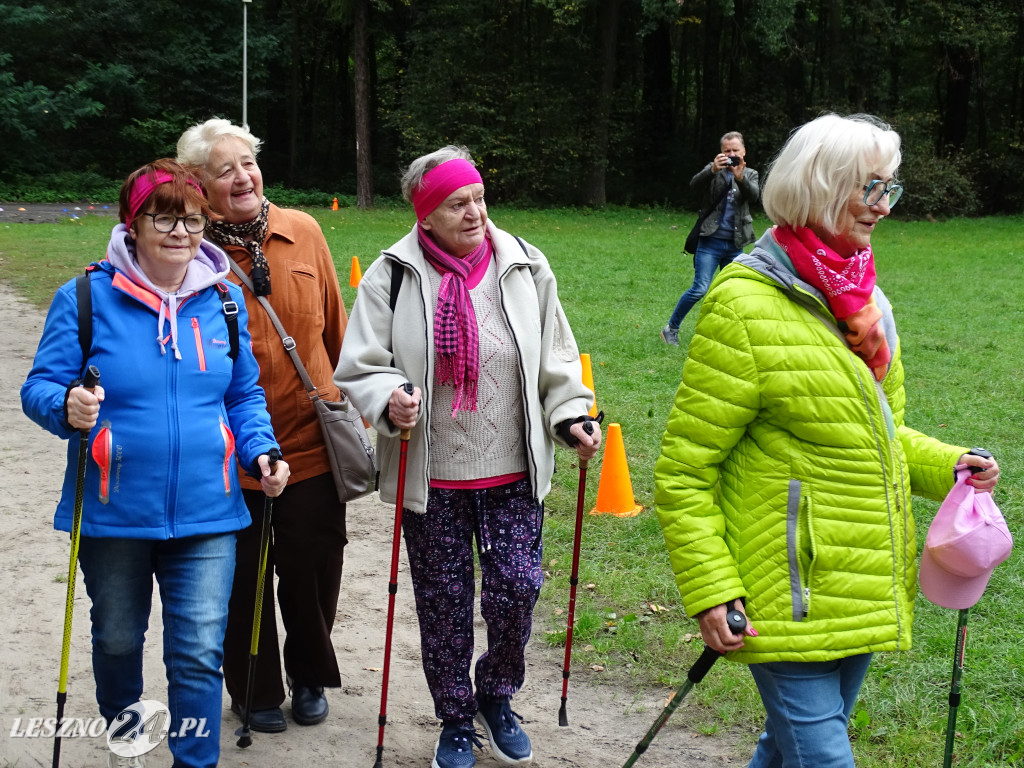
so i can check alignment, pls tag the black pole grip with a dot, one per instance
(703, 664)
(92, 377)
(273, 456)
(737, 623)
(983, 454)
(409, 388)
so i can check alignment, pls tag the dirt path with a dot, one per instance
(605, 721)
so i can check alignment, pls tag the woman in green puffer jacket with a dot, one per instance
(786, 469)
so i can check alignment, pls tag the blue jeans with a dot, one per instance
(712, 253)
(194, 575)
(808, 705)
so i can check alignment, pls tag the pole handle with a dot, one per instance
(92, 378)
(737, 623)
(273, 456)
(409, 389)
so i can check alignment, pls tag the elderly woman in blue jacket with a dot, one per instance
(470, 315)
(178, 401)
(786, 469)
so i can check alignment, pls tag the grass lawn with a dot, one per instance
(956, 290)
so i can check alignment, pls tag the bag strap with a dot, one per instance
(286, 340)
(707, 212)
(397, 276)
(231, 317)
(83, 294)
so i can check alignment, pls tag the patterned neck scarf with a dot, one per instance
(224, 233)
(848, 285)
(456, 338)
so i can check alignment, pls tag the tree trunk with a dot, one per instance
(363, 106)
(594, 191)
(959, 70)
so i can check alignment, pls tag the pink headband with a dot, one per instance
(440, 181)
(144, 187)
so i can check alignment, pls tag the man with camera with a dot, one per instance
(729, 187)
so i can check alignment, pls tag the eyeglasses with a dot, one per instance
(164, 222)
(875, 190)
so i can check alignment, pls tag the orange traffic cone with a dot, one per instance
(356, 274)
(588, 381)
(615, 490)
(334, 205)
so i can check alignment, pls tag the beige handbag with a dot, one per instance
(353, 461)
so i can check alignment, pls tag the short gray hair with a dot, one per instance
(810, 180)
(731, 135)
(197, 142)
(412, 179)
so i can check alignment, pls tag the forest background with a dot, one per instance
(563, 102)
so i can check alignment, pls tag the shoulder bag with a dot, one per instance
(690, 246)
(353, 462)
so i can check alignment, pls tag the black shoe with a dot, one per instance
(309, 705)
(263, 720)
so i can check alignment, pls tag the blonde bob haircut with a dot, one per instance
(824, 161)
(196, 143)
(412, 179)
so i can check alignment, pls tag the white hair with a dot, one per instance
(810, 180)
(196, 144)
(412, 179)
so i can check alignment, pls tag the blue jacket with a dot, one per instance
(162, 456)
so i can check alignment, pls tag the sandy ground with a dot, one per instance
(606, 721)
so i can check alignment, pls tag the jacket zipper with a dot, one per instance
(199, 343)
(229, 452)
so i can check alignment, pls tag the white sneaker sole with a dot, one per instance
(500, 756)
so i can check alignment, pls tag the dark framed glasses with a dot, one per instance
(875, 190)
(165, 222)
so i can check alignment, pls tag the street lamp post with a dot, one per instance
(245, 64)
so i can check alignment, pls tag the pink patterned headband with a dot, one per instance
(144, 187)
(440, 181)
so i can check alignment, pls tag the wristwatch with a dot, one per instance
(980, 452)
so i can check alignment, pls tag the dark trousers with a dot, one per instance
(506, 522)
(307, 553)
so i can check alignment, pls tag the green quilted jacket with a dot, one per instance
(786, 472)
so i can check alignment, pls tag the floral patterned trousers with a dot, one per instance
(506, 522)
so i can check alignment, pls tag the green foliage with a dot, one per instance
(938, 187)
(60, 187)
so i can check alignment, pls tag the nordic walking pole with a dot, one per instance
(244, 734)
(393, 583)
(737, 623)
(563, 718)
(92, 378)
(958, 660)
(954, 688)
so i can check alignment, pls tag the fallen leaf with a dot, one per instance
(597, 667)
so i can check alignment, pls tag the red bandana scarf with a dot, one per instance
(848, 285)
(456, 339)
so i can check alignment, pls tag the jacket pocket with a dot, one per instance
(229, 456)
(101, 452)
(799, 548)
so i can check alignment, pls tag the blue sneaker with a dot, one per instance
(509, 742)
(455, 746)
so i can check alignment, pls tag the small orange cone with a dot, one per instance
(588, 381)
(334, 205)
(357, 274)
(615, 490)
